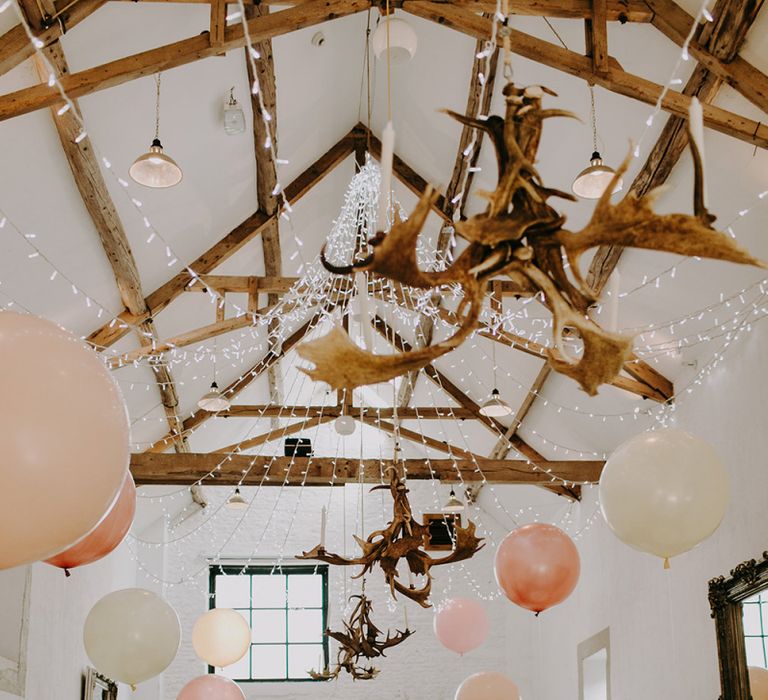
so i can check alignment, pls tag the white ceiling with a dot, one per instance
(319, 101)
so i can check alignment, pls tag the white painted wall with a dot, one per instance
(55, 656)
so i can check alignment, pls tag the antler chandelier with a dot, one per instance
(521, 235)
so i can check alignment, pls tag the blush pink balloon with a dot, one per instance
(537, 566)
(109, 533)
(461, 625)
(758, 683)
(488, 685)
(211, 687)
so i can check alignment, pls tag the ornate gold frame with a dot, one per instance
(725, 598)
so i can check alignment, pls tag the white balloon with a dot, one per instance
(664, 491)
(221, 637)
(132, 635)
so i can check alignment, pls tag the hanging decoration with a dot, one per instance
(461, 625)
(520, 235)
(488, 685)
(109, 533)
(537, 566)
(221, 637)
(55, 489)
(211, 687)
(664, 492)
(132, 635)
(403, 538)
(360, 640)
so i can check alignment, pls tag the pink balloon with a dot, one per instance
(758, 683)
(461, 625)
(109, 533)
(211, 687)
(488, 685)
(537, 566)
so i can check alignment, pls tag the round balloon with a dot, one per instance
(64, 439)
(537, 566)
(221, 637)
(211, 687)
(109, 533)
(461, 625)
(132, 635)
(758, 683)
(664, 491)
(488, 685)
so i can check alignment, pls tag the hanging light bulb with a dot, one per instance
(495, 406)
(592, 182)
(236, 501)
(454, 504)
(399, 35)
(234, 117)
(155, 168)
(345, 425)
(213, 401)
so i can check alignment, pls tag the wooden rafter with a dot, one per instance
(614, 78)
(158, 300)
(596, 29)
(177, 54)
(704, 84)
(148, 469)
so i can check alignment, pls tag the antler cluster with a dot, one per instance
(360, 639)
(402, 539)
(520, 235)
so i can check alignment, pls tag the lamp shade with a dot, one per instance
(345, 425)
(591, 182)
(236, 501)
(495, 407)
(213, 401)
(454, 504)
(402, 40)
(155, 168)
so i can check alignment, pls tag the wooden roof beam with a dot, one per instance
(183, 470)
(614, 79)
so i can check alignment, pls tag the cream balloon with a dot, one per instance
(758, 682)
(221, 637)
(64, 439)
(664, 491)
(132, 635)
(488, 685)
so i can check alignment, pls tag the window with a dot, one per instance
(756, 629)
(594, 657)
(287, 610)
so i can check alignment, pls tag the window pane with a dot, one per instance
(268, 626)
(268, 661)
(755, 653)
(304, 657)
(764, 608)
(305, 591)
(305, 626)
(233, 591)
(269, 591)
(239, 670)
(751, 619)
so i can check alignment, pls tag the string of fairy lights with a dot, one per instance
(750, 309)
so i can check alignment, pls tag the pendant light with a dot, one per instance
(214, 401)
(394, 36)
(236, 501)
(454, 504)
(592, 182)
(155, 168)
(495, 406)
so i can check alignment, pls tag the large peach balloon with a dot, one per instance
(537, 566)
(758, 683)
(211, 687)
(664, 491)
(488, 685)
(64, 440)
(221, 637)
(109, 533)
(461, 625)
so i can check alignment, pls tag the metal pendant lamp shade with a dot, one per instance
(213, 401)
(592, 182)
(495, 407)
(155, 168)
(454, 504)
(402, 40)
(236, 501)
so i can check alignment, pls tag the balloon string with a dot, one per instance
(673, 655)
